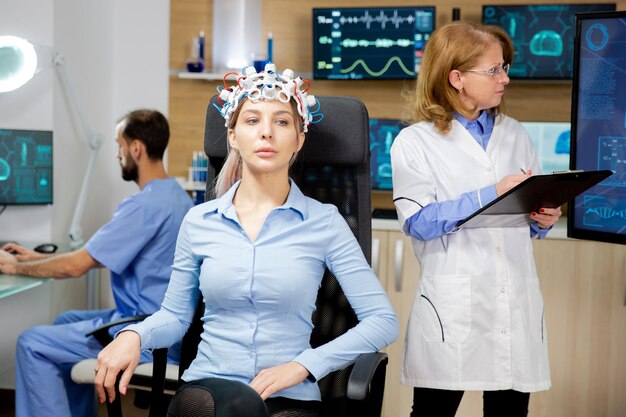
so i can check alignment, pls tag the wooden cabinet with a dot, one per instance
(398, 269)
(583, 285)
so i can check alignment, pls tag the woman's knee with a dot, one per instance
(229, 399)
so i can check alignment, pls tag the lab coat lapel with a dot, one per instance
(465, 143)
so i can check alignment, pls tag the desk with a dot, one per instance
(15, 284)
(26, 302)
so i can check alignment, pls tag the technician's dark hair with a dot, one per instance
(149, 127)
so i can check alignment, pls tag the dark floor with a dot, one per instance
(7, 406)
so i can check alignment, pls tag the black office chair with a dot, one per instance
(150, 380)
(333, 167)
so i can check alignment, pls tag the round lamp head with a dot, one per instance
(18, 62)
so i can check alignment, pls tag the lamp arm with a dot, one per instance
(59, 63)
(94, 142)
(75, 232)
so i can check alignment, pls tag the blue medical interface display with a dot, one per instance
(551, 141)
(382, 134)
(599, 126)
(543, 36)
(358, 43)
(25, 167)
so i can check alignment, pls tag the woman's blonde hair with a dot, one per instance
(231, 170)
(458, 45)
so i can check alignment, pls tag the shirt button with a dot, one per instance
(502, 290)
(498, 249)
(503, 331)
(488, 169)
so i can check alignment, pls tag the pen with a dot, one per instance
(522, 169)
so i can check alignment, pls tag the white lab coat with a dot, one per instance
(477, 321)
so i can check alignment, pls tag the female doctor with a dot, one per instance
(477, 322)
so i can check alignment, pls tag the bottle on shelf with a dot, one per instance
(196, 63)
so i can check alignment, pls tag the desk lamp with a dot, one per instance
(18, 64)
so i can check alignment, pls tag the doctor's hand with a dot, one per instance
(277, 378)
(546, 217)
(511, 181)
(7, 262)
(122, 354)
(21, 253)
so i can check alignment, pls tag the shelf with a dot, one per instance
(215, 76)
(191, 185)
(209, 76)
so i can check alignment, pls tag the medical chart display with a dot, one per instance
(25, 167)
(599, 126)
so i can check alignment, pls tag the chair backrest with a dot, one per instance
(333, 167)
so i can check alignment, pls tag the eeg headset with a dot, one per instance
(268, 85)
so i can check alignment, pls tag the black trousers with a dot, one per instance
(429, 402)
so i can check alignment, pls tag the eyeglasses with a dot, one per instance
(495, 71)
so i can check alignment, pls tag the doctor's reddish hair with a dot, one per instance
(458, 45)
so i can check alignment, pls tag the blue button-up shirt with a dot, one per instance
(439, 218)
(260, 295)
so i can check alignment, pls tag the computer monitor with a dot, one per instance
(551, 141)
(373, 42)
(599, 127)
(543, 36)
(25, 167)
(382, 134)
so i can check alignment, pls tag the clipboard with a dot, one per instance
(513, 208)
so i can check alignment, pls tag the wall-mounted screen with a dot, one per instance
(551, 141)
(382, 134)
(599, 126)
(25, 167)
(542, 35)
(360, 43)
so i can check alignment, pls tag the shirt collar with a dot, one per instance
(295, 200)
(482, 120)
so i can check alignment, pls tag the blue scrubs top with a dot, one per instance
(138, 245)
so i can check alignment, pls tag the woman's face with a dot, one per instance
(481, 89)
(266, 135)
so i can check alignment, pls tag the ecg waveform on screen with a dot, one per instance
(377, 43)
(381, 18)
(382, 71)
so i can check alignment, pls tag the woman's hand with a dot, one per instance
(122, 354)
(511, 181)
(547, 217)
(277, 378)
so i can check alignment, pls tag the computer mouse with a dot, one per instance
(46, 248)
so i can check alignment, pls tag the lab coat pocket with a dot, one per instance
(445, 308)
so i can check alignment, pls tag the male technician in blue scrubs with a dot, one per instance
(137, 246)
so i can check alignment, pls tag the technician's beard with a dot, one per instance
(130, 172)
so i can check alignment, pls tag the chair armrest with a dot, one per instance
(102, 333)
(365, 369)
